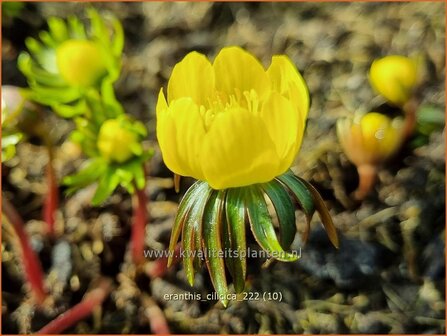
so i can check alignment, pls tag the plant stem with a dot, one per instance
(177, 183)
(157, 320)
(410, 121)
(51, 202)
(83, 309)
(32, 267)
(367, 179)
(139, 220)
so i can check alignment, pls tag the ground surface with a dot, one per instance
(387, 277)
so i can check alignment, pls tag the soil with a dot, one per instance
(388, 275)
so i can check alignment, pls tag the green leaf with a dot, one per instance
(212, 229)
(98, 28)
(235, 217)
(107, 184)
(323, 212)
(33, 45)
(185, 205)
(193, 219)
(136, 148)
(198, 245)
(113, 106)
(262, 226)
(300, 191)
(58, 29)
(124, 175)
(77, 30)
(137, 169)
(430, 119)
(302, 195)
(226, 241)
(92, 171)
(47, 39)
(118, 38)
(53, 95)
(284, 210)
(78, 108)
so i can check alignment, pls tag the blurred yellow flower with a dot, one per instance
(80, 62)
(232, 123)
(394, 77)
(370, 139)
(116, 143)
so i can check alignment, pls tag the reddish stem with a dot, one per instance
(157, 320)
(177, 183)
(139, 220)
(31, 264)
(410, 121)
(51, 202)
(83, 309)
(367, 179)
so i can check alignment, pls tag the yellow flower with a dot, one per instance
(116, 143)
(394, 77)
(371, 139)
(80, 62)
(232, 123)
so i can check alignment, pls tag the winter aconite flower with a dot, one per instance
(368, 141)
(116, 156)
(231, 122)
(80, 62)
(237, 128)
(394, 77)
(70, 63)
(116, 143)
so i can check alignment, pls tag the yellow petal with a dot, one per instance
(285, 127)
(237, 71)
(192, 77)
(180, 133)
(162, 105)
(394, 77)
(168, 153)
(350, 138)
(374, 128)
(286, 80)
(238, 151)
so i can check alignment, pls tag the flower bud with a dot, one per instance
(116, 142)
(80, 62)
(13, 102)
(370, 139)
(394, 77)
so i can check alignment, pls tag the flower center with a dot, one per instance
(222, 103)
